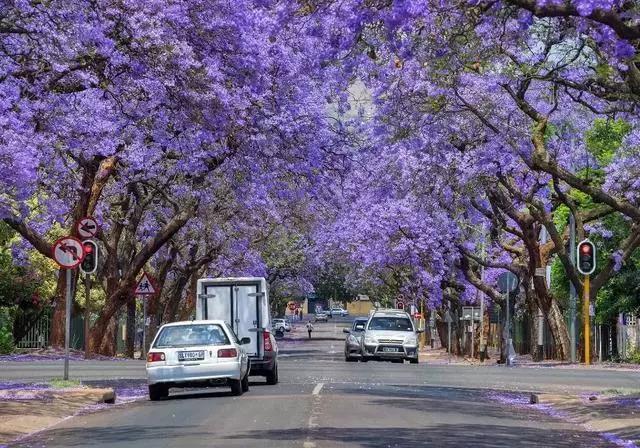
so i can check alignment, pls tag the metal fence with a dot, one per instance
(38, 334)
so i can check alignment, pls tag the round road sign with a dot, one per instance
(87, 227)
(508, 282)
(68, 252)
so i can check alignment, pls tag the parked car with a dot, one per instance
(339, 312)
(280, 324)
(197, 353)
(390, 335)
(353, 342)
(320, 317)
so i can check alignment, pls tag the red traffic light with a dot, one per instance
(88, 248)
(586, 257)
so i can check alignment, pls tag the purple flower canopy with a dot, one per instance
(290, 137)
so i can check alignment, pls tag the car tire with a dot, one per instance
(245, 383)
(236, 387)
(272, 376)
(414, 361)
(364, 360)
(157, 391)
(349, 358)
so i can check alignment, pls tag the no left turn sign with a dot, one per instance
(68, 252)
(87, 227)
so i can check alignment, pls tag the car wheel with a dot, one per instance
(414, 361)
(245, 383)
(364, 360)
(272, 377)
(236, 387)
(157, 391)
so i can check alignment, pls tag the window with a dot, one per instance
(189, 335)
(391, 324)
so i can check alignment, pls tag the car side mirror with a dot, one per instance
(419, 330)
(245, 341)
(346, 330)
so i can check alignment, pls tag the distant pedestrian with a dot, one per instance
(309, 328)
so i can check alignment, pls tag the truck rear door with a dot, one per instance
(247, 314)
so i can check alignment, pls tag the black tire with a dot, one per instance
(157, 391)
(348, 358)
(236, 387)
(414, 361)
(245, 383)
(364, 360)
(272, 376)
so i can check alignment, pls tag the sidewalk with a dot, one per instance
(29, 408)
(614, 417)
(440, 356)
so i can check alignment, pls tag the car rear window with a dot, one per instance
(188, 335)
(391, 323)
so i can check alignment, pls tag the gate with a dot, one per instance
(38, 334)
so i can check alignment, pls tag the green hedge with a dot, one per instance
(7, 345)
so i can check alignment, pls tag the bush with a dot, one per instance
(7, 344)
(634, 357)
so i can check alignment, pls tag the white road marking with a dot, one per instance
(308, 444)
(317, 389)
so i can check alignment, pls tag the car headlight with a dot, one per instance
(411, 340)
(370, 340)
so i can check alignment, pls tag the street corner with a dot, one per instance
(28, 408)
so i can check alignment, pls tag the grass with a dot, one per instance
(59, 383)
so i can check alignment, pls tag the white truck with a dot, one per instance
(243, 303)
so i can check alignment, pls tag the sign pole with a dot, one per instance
(586, 320)
(143, 351)
(67, 326)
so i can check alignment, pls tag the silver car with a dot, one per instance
(352, 344)
(197, 353)
(390, 335)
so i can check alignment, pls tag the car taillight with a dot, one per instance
(155, 356)
(227, 353)
(267, 341)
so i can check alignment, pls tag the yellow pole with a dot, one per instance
(585, 320)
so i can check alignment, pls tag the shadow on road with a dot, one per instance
(488, 436)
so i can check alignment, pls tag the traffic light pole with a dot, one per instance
(586, 321)
(87, 298)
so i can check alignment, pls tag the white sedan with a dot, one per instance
(197, 353)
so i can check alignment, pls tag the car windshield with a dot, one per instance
(391, 324)
(358, 325)
(188, 335)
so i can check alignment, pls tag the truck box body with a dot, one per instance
(244, 304)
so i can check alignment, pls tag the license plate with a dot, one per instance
(389, 349)
(190, 356)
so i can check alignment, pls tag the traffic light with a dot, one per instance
(90, 261)
(586, 257)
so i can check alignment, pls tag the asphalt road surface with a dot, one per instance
(322, 401)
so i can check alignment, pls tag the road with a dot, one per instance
(323, 402)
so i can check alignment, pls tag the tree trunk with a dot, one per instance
(559, 332)
(108, 344)
(56, 335)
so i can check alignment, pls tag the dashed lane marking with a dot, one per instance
(317, 389)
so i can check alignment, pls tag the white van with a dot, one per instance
(243, 303)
